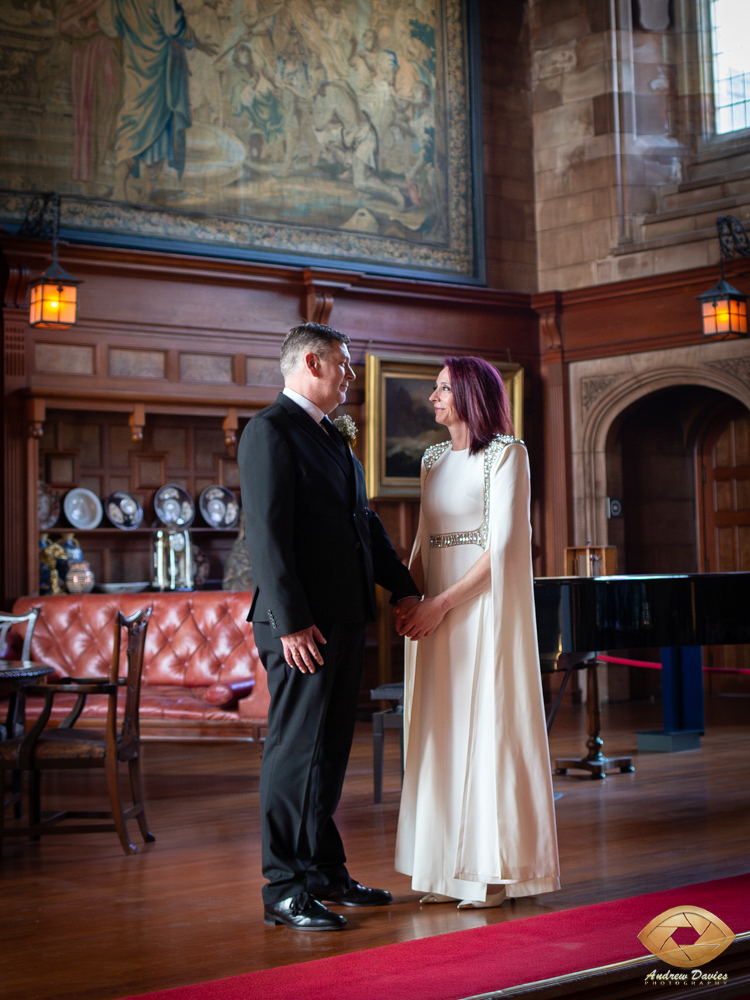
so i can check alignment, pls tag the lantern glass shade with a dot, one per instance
(724, 311)
(54, 300)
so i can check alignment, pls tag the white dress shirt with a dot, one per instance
(307, 405)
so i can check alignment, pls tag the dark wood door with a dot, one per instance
(723, 460)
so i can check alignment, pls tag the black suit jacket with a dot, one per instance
(316, 547)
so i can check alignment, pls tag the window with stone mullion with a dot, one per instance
(730, 41)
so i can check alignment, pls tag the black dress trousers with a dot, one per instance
(310, 730)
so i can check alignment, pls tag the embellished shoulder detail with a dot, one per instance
(499, 442)
(433, 453)
(480, 535)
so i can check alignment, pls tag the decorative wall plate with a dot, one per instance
(48, 506)
(219, 507)
(83, 508)
(123, 510)
(174, 507)
(124, 588)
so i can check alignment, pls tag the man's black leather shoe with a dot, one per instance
(358, 895)
(303, 912)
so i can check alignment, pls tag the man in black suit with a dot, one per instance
(316, 549)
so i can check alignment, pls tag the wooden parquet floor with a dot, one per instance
(81, 921)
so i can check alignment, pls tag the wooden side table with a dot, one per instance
(14, 676)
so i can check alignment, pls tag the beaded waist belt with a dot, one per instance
(477, 537)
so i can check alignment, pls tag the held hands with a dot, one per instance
(418, 619)
(422, 619)
(301, 651)
(400, 610)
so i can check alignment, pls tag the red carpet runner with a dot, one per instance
(465, 963)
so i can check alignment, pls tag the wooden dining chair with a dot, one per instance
(15, 719)
(65, 747)
(14, 722)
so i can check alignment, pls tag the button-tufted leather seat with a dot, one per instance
(194, 640)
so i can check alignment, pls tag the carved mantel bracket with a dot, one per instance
(137, 421)
(319, 290)
(548, 306)
(36, 410)
(230, 426)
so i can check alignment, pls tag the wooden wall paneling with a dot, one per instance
(14, 515)
(4, 279)
(647, 314)
(32, 520)
(557, 484)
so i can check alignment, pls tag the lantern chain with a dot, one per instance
(42, 221)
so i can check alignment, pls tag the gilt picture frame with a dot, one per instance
(341, 132)
(401, 420)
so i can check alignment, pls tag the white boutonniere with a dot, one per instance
(347, 429)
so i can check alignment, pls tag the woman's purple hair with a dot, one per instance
(481, 400)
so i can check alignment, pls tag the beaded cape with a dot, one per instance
(480, 535)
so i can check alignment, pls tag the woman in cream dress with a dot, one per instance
(477, 815)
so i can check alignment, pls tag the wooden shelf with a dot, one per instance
(133, 531)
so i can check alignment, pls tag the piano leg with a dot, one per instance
(594, 762)
(682, 702)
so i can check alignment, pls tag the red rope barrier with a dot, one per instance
(650, 665)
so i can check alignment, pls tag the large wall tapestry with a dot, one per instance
(337, 129)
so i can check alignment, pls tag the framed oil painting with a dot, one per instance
(401, 420)
(339, 131)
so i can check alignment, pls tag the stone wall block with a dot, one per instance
(512, 251)
(654, 79)
(590, 174)
(586, 82)
(598, 238)
(559, 212)
(506, 274)
(502, 160)
(647, 47)
(597, 146)
(508, 101)
(548, 93)
(552, 184)
(560, 246)
(652, 114)
(546, 12)
(641, 199)
(553, 61)
(520, 189)
(605, 202)
(568, 30)
(561, 125)
(571, 276)
(592, 49)
(508, 218)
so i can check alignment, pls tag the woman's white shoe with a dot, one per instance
(480, 904)
(435, 897)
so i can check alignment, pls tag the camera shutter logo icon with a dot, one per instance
(712, 936)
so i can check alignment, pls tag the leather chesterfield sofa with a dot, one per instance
(201, 669)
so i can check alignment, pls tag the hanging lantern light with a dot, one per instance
(724, 310)
(724, 307)
(54, 299)
(54, 294)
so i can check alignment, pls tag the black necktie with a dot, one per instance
(333, 433)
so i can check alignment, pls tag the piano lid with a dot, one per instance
(576, 614)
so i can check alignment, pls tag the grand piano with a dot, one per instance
(577, 617)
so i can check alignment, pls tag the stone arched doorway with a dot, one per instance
(652, 466)
(604, 388)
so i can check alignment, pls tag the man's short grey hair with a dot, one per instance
(313, 337)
